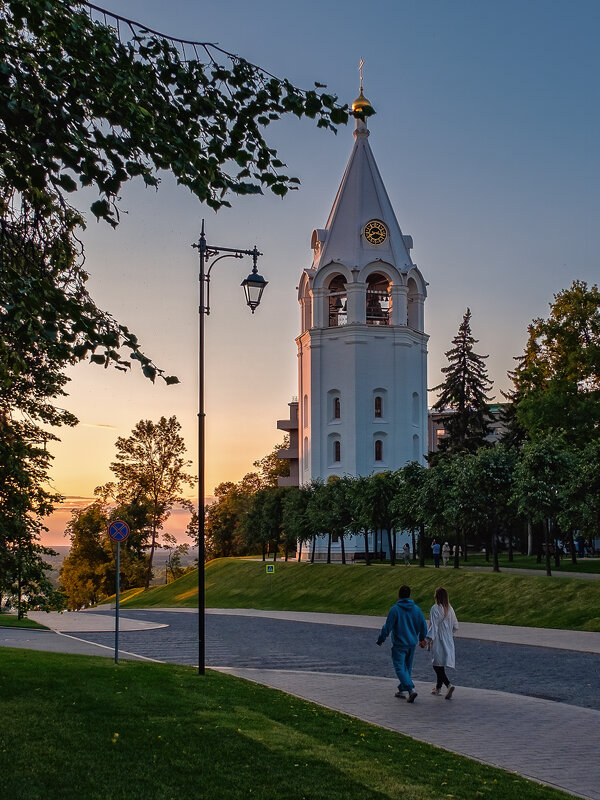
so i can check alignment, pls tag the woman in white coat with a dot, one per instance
(440, 636)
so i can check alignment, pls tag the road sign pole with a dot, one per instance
(117, 603)
(118, 532)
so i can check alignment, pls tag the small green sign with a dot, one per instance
(270, 569)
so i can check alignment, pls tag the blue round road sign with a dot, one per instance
(118, 530)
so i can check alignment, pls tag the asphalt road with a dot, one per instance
(254, 642)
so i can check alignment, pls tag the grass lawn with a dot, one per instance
(499, 598)
(11, 621)
(76, 727)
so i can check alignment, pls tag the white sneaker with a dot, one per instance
(435, 690)
(450, 692)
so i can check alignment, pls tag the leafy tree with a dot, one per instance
(296, 522)
(24, 503)
(582, 494)
(271, 467)
(318, 515)
(438, 500)
(540, 483)
(557, 379)
(225, 534)
(79, 107)
(357, 502)
(151, 468)
(175, 552)
(88, 573)
(407, 505)
(492, 481)
(380, 491)
(463, 393)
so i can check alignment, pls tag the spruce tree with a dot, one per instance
(463, 393)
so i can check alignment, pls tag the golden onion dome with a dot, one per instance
(361, 102)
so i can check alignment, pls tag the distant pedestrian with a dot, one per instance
(406, 623)
(435, 549)
(406, 553)
(454, 551)
(445, 553)
(440, 637)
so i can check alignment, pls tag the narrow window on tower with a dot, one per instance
(337, 451)
(378, 407)
(378, 450)
(337, 408)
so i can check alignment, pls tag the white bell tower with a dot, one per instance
(362, 349)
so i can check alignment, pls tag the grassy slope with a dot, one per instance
(477, 597)
(160, 731)
(11, 621)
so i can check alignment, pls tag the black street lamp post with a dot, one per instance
(253, 286)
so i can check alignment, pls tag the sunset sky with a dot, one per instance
(486, 135)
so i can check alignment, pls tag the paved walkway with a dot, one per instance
(78, 621)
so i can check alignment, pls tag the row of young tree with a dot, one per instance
(543, 476)
(89, 99)
(488, 499)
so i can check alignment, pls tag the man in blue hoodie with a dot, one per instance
(407, 625)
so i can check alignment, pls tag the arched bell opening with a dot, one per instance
(379, 299)
(338, 302)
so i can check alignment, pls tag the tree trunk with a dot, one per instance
(329, 548)
(529, 540)
(421, 545)
(572, 543)
(495, 548)
(394, 544)
(312, 552)
(299, 549)
(151, 556)
(414, 545)
(285, 551)
(264, 551)
(547, 542)
(366, 534)
(19, 587)
(343, 549)
(389, 538)
(510, 548)
(274, 551)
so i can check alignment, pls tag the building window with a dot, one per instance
(416, 448)
(378, 407)
(337, 451)
(378, 450)
(337, 408)
(416, 410)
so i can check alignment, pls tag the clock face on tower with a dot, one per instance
(375, 232)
